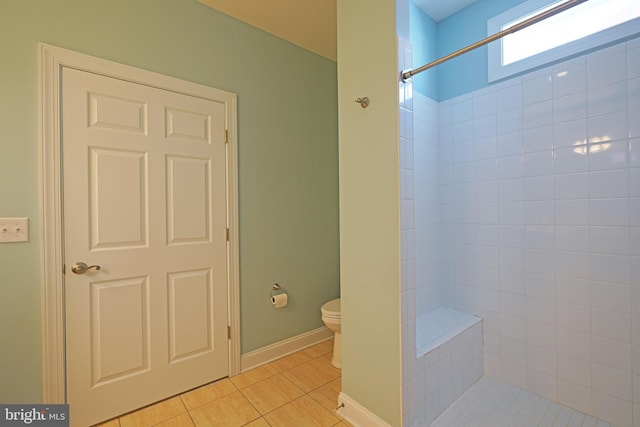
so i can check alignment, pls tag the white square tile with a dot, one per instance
(485, 169)
(572, 238)
(510, 167)
(463, 151)
(575, 396)
(609, 268)
(634, 271)
(488, 300)
(542, 383)
(463, 109)
(607, 127)
(635, 319)
(611, 183)
(633, 62)
(485, 148)
(570, 160)
(512, 235)
(463, 131)
(574, 317)
(541, 310)
(607, 99)
(486, 191)
(538, 114)
(613, 382)
(511, 190)
(484, 103)
(609, 212)
(634, 154)
(569, 78)
(512, 258)
(508, 144)
(512, 327)
(609, 155)
(571, 186)
(612, 409)
(445, 114)
(509, 97)
(538, 139)
(604, 68)
(540, 261)
(515, 372)
(570, 134)
(487, 256)
(570, 107)
(634, 241)
(538, 163)
(633, 99)
(542, 334)
(537, 89)
(574, 369)
(574, 343)
(634, 212)
(512, 304)
(539, 212)
(610, 240)
(511, 213)
(573, 290)
(511, 120)
(610, 324)
(540, 236)
(574, 212)
(463, 179)
(512, 349)
(611, 352)
(486, 126)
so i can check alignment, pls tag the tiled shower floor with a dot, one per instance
(493, 403)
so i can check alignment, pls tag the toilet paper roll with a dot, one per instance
(279, 301)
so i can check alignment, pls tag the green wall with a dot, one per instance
(288, 156)
(370, 207)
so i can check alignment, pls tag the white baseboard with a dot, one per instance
(283, 348)
(357, 414)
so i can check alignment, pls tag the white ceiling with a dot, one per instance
(440, 9)
(310, 24)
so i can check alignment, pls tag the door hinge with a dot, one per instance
(228, 234)
(228, 332)
(226, 136)
(64, 268)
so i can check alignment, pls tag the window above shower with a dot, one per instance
(583, 27)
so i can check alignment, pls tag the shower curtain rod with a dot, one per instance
(517, 27)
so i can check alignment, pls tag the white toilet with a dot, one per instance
(332, 318)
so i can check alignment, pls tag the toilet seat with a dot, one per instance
(331, 309)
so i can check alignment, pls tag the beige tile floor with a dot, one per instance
(299, 390)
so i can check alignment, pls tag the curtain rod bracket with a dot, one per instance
(364, 102)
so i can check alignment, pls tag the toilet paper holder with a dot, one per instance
(275, 288)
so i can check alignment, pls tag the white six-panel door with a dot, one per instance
(145, 200)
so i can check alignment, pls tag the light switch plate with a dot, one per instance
(14, 230)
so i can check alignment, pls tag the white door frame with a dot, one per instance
(51, 61)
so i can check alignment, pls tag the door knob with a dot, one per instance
(81, 267)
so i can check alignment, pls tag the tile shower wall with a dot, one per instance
(427, 205)
(410, 396)
(434, 381)
(539, 180)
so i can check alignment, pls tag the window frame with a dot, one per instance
(497, 71)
